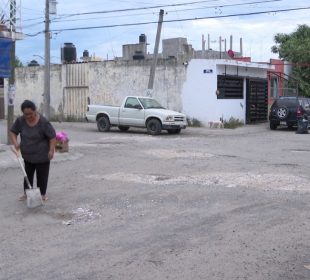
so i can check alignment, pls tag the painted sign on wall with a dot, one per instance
(5, 61)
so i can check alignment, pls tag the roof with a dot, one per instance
(244, 64)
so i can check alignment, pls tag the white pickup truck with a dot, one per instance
(137, 111)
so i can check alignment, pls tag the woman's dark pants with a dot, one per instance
(42, 171)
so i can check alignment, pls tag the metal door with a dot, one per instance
(256, 100)
(75, 102)
(76, 91)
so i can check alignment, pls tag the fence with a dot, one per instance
(285, 91)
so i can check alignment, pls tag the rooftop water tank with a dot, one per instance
(85, 53)
(68, 53)
(142, 38)
(33, 63)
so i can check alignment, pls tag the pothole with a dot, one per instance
(285, 164)
(230, 180)
(162, 178)
(300, 150)
(82, 215)
(173, 154)
(228, 156)
(105, 143)
(59, 215)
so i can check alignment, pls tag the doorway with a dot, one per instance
(256, 100)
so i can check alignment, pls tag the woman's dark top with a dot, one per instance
(34, 144)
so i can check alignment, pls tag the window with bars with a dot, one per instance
(229, 87)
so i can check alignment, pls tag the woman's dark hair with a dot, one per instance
(28, 104)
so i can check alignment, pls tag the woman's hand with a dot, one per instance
(52, 144)
(51, 154)
(17, 147)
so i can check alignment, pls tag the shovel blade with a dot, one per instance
(34, 198)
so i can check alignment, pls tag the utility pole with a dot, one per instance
(154, 61)
(47, 87)
(11, 90)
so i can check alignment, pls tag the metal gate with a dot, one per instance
(76, 91)
(256, 100)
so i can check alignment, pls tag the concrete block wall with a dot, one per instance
(108, 82)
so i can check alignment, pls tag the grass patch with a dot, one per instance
(194, 122)
(233, 123)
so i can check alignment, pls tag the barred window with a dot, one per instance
(229, 87)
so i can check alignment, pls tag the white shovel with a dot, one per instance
(34, 198)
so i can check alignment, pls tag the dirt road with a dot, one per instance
(205, 204)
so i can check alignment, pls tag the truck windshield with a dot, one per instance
(149, 103)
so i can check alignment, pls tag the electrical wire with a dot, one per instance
(171, 11)
(33, 35)
(58, 19)
(179, 20)
(142, 8)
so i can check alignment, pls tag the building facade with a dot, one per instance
(204, 89)
(222, 89)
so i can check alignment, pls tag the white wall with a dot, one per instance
(199, 90)
(108, 82)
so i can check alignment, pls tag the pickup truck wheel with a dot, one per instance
(174, 131)
(123, 128)
(103, 124)
(153, 127)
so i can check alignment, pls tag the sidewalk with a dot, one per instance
(3, 132)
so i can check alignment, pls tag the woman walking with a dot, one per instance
(37, 145)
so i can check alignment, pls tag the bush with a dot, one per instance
(194, 122)
(233, 123)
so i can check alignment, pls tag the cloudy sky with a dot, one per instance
(103, 26)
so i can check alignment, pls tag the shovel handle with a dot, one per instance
(22, 167)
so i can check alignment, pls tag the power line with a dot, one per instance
(179, 20)
(230, 5)
(34, 34)
(173, 11)
(59, 19)
(34, 24)
(141, 8)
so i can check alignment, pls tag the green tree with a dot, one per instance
(295, 48)
(17, 62)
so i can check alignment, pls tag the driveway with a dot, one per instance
(205, 204)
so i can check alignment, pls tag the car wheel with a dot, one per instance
(273, 126)
(282, 113)
(174, 131)
(103, 124)
(153, 127)
(123, 128)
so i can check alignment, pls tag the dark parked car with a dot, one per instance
(287, 110)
